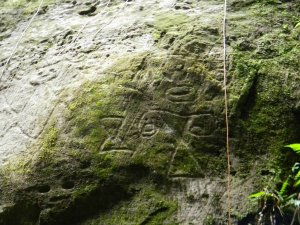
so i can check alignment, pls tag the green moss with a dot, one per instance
(167, 27)
(145, 121)
(113, 114)
(184, 163)
(15, 170)
(210, 220)
(152, 118)
(84, 191)
(148, 206)
(264, 76)
(169, 21)
(48, 146)
(27, 6)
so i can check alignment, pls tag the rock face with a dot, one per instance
(113, 112)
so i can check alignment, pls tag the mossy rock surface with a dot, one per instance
(153, 120)
(144, 142)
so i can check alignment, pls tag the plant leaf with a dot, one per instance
(294, 147)
(284, 187)
(257, 194)
(297, 183)
(297, 177)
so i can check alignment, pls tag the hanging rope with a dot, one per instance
(226, 114)
(107, 4)
(105, 12)
(73, 42)
(99, 30)
(83, 27)
(22, 35)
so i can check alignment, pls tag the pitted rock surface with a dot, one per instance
(112, 112)
(62, 49)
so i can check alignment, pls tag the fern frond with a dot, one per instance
(284, 187)
(297, 183)
(257, 195)
(297, 176)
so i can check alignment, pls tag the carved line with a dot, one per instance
(121, 133)
(186, 116)
(171, 162)
(112, 117)
(143, 123)
(117, 151)
(189, 125)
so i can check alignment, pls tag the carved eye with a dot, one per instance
(197, 130)
(181, 94)
(201, 125)
(149, 124)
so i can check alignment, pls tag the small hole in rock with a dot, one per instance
(85, 164)
(233, 172)
(67, 184)
(44, 188)
(265, 172)
(205, 195)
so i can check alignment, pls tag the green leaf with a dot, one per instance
(297, 183)
(294, 147)
(297, 177)
(257, 194)
(284, 187)
(291, 197)
(297, 25)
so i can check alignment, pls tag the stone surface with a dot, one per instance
(112, 111)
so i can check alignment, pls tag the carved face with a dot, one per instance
(168, 116)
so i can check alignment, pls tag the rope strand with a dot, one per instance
(73, 42)
(99, 30)
(226, 114)
(84, 26)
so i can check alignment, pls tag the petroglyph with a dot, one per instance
(113, 142)
(150, 124)
(111, 124)
(181, 94)
(165, 113)
(201, 125)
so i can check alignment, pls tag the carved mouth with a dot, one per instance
(149, 130)
(181, 94)
(114, 145)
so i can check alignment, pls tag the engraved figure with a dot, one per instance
(171, 121)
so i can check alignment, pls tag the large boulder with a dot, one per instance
(113, 112)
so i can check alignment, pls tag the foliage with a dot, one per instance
(294, 147)
(276, 205)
